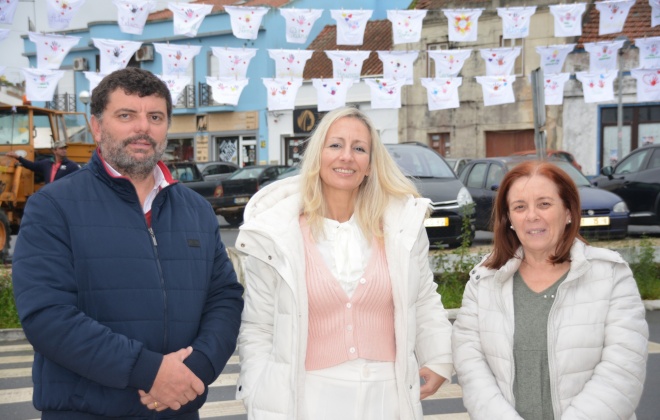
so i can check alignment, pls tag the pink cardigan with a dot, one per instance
(342, 329)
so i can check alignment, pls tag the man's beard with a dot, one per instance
(114, 152)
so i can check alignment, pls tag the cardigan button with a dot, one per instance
(270, 258)
(242, 245)
(478, 277)
(240, 387)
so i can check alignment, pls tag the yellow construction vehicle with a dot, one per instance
(31, 132)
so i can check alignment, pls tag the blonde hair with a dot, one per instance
(385, 181)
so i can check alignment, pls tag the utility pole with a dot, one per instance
(538, 101)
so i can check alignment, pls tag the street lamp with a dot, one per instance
(619, 110)
(84, 98)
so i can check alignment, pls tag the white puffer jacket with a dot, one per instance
(597, 340)
(273, 337)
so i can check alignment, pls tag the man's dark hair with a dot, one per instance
(133, 81)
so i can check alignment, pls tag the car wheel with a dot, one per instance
(234, 219)
(5, 234)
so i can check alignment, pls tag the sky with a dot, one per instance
(12, 46)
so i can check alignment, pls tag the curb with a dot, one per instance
(11, 334)
(652, 305)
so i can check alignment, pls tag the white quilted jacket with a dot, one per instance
(273, 337)
(597, 340)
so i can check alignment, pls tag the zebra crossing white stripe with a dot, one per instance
(16, 359)
(16, 395)
(452, 416)
(16, 373)
(15, 347)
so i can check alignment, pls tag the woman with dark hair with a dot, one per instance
(342, 317)
(550, 327)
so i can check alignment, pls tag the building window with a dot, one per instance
(641, 127)
(430, 63)
(440, 143)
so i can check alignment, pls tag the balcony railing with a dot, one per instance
(63, 102)
(187, 98)
(205, 94)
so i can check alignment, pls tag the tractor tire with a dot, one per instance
(5, 236)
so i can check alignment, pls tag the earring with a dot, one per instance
(569, 222)
(512, 228)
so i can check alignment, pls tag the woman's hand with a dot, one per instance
(432, 382)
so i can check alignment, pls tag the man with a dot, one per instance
(122, 284)
(51, 169)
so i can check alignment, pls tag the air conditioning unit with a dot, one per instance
(80, 64)
(145, 53)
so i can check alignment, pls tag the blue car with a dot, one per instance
(604, 215)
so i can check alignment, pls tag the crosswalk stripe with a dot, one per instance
(221, 408)
(452, 416)
(15, 347)
(16, 373)
(226, 379)
(15, 395)
(16, 359)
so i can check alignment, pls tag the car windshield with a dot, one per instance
(577, 176)
(420, 162)
(247, 173)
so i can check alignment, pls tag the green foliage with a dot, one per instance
(454, 267)
(647, 272)
(8, 315)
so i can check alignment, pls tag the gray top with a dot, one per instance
(531, 385)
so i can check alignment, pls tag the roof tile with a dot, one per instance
(638, 25)
(451, 4)
(377, 37)
(218, 6)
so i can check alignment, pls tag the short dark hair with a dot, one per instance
(505, 240)
(133, 81)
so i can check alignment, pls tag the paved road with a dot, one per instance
(16, 387)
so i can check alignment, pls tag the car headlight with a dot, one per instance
(464, 198)
(620, 207)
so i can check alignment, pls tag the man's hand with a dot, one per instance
(432, 382)
(12, 155)
(175, 385)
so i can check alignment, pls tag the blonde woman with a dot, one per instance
(341, 313)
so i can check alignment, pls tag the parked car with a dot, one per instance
(233, 193)
(435, 180)
(188, 174)
(217, 171)
(555, 154)
(636, 179)
(604, 214)
(290, 171)
(457, 164)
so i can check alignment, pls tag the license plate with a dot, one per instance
(241, 200)
(595, 221)
(437, 222)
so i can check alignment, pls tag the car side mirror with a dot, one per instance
(608, 171)
(495, 187)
